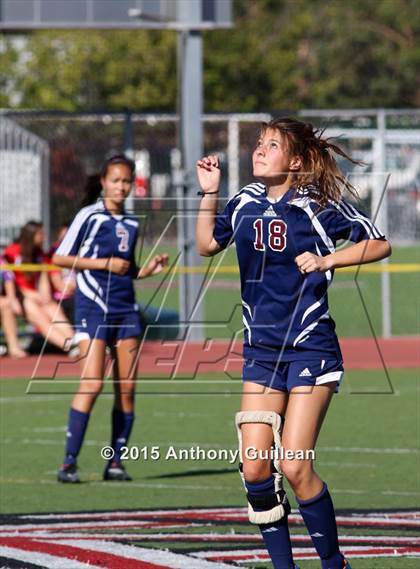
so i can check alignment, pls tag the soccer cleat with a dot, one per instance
(116, 471)
(68, 474)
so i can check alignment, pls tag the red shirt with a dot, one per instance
(29, 280)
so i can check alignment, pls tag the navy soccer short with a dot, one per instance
(284, 376)
(111, 329)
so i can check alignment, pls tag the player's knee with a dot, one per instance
(91, 387)
(256, 470)
(296, 471)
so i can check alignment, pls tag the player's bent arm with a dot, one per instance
(207, 246)
(113, 264)
(367, 251)
(79, 263)
(154, 267)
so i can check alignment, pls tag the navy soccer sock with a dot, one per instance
(276, 535)
(319, 517)
(122, 423)
(76, 429)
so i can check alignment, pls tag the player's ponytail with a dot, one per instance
(319, 166)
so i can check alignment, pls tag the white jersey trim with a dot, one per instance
(351, 213)
(99, 220)
(86, 291)
(304, 335)
(243, 200)
(256, 188)
(67, 244)
(244, 320)
(303, 203)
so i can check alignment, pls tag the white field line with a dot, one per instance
(370, 450)
(190, 487)
(210, 537)
(80, 525)
(143, 513)
(43, 559)
(160, 557)
(115, 485)
(261, 555)
(219, 513)
(32, 398)
(51, 528)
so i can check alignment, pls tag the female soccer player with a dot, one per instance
(100, 246)
(285, 229)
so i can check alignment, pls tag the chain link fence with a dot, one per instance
(45, 159)
(73, 147)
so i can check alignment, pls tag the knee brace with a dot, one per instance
(275, 505)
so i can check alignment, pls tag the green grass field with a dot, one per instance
(33, 428)
(368, 450)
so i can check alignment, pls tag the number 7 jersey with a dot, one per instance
(285, 313)
(96, 233)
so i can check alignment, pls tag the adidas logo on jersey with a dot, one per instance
(270, 211)
(305, 373)
(317, 534)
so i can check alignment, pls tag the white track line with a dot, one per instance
(369, 450)
(43, 559)
(189, 487)
(31, 398)
(261, 555)
(210, 537)
(78, 525)
(229, 514)
(140, 513)
(166, 558)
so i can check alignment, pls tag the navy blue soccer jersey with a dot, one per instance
(96, 233)
(285, 313)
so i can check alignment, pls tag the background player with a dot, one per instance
(100, 246)
(285, 230)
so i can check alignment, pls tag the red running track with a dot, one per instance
(177, 359)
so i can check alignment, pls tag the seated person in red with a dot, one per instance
(8, 303)
(33, 288)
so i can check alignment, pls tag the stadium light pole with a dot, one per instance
(190, 140)
(190, 111)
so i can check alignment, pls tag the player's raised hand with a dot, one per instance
(208, 173)
(117, 265)
(310, 263)
(154, 267)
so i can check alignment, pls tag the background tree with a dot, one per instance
(281, 54)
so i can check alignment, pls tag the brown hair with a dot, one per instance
(26, 240)
(116, 160)
(319, 166)
(93, 186)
